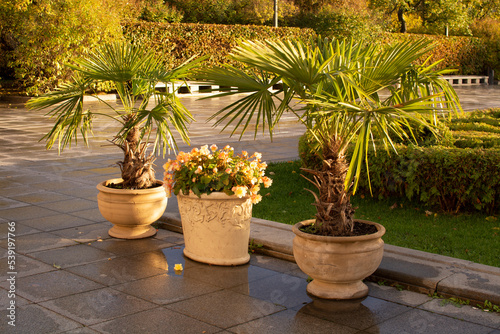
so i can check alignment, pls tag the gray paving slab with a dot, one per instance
(36, 242)
(70, 256)
(20, 229)
(96, 306)
(51, 285)
(158, 320)
(225, 308)
(36, 319)
(26, 266)
(472, 285)
(167, 289)
(468, 313)
(113, 271)
(419, 321)
(53, 223)
(85, 233)
(131, 247)
(290, 321)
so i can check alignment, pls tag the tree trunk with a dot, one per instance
(335, 213)
(402, 20)
(137, 169)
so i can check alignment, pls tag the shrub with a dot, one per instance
(45, 35)
(157, 11)
(489, 31)
(469, 55)
(449, 179)
(456, 178)
(232, 11)
(479, 129)
(178, 42)
(338, 23)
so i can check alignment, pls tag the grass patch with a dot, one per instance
(474, 237)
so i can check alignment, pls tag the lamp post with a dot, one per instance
(276, 13)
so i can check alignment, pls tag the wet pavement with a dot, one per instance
(69, 276)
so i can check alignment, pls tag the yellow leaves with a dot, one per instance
(491, 218)
(430, 213)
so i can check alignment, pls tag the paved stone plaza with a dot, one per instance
(71, 277)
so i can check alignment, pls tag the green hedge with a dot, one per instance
(178, 42)
(469, 55)
(38, 71)
(450, 179)
(464, 177)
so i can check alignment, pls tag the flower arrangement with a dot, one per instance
(208, 170)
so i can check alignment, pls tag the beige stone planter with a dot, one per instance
(216, 228)
(338, 265)
(131, 211)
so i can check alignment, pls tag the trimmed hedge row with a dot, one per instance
(176, 43)
(469, 55)
(450, 179)
(462, 177)
(447, 179)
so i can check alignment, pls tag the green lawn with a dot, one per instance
(474, 237)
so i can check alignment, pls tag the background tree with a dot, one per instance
(39, 37)
(429, 16)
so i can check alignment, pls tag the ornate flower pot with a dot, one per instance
(216, 228)
(338, 264)
(131, 211)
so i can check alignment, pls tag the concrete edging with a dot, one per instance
(416, 270)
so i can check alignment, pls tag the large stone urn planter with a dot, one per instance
(131, 211)
(216, 228)
(338, 265)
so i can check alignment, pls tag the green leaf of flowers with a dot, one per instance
(206, 179)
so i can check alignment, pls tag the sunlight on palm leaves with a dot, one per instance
(347, 92)
(134, 74)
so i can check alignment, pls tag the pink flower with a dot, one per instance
(198, 170)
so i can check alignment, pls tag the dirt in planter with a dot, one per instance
(359, 230)
(120, 186)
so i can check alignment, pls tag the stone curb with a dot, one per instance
(416, 270)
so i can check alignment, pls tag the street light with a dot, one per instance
(276, 13)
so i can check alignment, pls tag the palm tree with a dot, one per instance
(146, 115)
(344, 93)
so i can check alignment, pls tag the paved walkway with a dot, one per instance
(69, 276)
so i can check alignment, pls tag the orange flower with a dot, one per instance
(267, 181)
(256, 198)
(239, 191)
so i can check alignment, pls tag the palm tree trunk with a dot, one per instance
(335, 213)
(137, 169)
